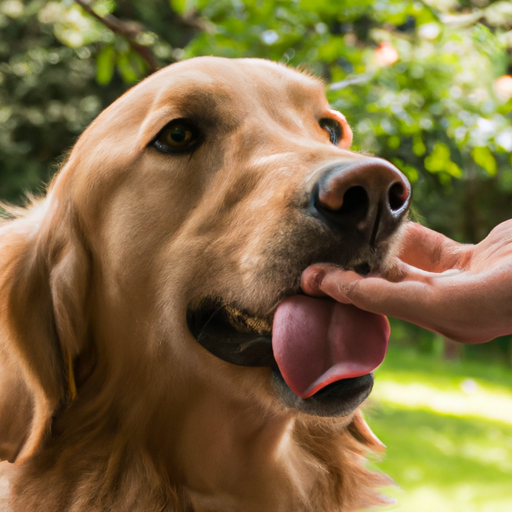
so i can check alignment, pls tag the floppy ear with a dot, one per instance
(360, 430)
(43, 283)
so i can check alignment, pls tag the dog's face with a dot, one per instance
(209, 188)
(201, 196)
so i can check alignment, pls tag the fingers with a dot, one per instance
(431, 251)
(460, 306)
(374, 294)
(408, 300)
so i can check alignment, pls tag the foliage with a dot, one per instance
(58, 69)
(47, 96)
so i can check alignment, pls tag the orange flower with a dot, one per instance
(503, 87)
(386, 54)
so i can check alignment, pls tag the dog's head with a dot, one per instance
(167, 255)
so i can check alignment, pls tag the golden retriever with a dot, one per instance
(156, 352)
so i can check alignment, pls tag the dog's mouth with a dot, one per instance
(322, 353)
(232, 334)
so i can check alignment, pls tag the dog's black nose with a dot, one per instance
(369, 196)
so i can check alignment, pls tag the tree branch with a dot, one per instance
(126, 30)
(355, 79)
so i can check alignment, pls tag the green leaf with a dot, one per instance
(418, 146)
(183, 7)
(105, 62)
(126, 69)
(484, 158)
(439, 161)
(436, 161)
(394, 142)
(490, 45)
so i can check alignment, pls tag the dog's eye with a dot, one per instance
(177, 137)
(333, 128)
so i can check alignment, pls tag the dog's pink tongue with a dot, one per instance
(319, 341)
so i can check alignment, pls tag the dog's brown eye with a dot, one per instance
(178, 136)
(333, 128)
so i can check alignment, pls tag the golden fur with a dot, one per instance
(107, 403)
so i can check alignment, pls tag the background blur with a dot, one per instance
(426, 84)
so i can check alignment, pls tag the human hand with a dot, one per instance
(463, 292)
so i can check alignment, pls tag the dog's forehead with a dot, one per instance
(222, 92)
(229, 89)
(240, 78)
(233, 87)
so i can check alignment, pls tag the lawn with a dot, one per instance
(448, 431)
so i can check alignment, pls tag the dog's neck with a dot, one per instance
(251, 459)
(205, 449)
(254, 462)
(251, 462)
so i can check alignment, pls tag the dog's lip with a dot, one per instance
(231, 334)
(338, 399)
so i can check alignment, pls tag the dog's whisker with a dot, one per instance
(207, 323)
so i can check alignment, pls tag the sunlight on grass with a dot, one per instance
(448, 431)
(463, 498)
(478, 402)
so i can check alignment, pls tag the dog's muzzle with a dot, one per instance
(365, 199)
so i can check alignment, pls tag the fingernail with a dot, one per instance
(312, 279)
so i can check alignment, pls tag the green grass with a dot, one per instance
(448, 431)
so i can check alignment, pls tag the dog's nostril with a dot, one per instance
(397, 196)
(355, 202)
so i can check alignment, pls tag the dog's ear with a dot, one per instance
(360, 430)
(43, 283)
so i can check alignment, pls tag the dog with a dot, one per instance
(156, 351)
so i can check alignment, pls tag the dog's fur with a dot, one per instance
(107, 402)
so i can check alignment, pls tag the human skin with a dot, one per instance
(463, 292)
